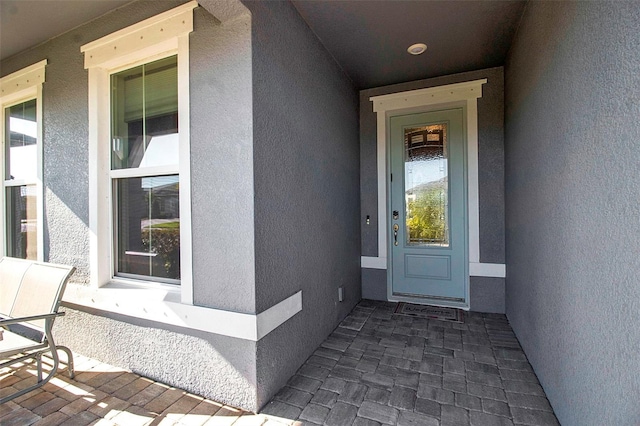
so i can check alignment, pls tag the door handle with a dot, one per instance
(395, 234)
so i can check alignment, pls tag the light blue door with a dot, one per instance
(428, 220)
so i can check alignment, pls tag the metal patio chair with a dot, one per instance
(30, 294)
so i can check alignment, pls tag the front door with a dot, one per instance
(428, 220)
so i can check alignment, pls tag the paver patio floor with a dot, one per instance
(375, 368)
(104, 395)
(378, 367)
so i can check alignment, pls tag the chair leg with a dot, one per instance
(41, 381)
(70, 366)
(39, 363)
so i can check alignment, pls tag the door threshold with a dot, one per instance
(432, 301)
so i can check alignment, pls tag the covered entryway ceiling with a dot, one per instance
(369, 39)
(27, 23)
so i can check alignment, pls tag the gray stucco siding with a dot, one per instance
(286, 170)
(374, 284)
(217, 367)
(222, 368)
(221, 150)
(222, 163)
(572, 191)
(306, 187)
(487, 294)
(65, 132)
(368, 175)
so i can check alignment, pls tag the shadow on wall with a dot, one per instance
(63, 241)
(218, 367)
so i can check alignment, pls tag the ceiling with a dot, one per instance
(368, 38)
(26, 23)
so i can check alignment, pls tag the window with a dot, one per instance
(146, 189)
(21, 144)
(139, 173)
(21, 163)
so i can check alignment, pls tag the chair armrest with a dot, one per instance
(10, 321)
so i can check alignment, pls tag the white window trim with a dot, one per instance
(142, 43)
(15, 88)
(432, 98)
(158, 37)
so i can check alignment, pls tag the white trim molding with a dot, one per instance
(158, 37)
(165, 307)
(145, 36)
(24, 79)
(371, 262)
(21, 86)
(493, 270)
(463, 95)
(184, 125)
(430, 96)
(418, 100)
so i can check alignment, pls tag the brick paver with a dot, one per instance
(20, 417)
(103, 395)
(52, 419)
(377, 368)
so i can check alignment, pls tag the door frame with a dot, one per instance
(460, 95)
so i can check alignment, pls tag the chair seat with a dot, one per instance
(12, 344)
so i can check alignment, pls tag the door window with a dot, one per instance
(426, 185)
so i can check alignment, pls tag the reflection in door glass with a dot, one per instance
(426, 185)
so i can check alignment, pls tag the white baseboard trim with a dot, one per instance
(162, 306)
(272, 318)
(492, 270)
(370, 262)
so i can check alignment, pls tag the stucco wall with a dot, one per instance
(217, 367)
(221, 154)
(484, 298)
(222, 200)
(572, 191)
(222, 163)
(306, 187)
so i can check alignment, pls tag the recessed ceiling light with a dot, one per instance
(417, 49)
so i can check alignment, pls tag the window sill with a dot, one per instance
(162, 305)
(138, 284)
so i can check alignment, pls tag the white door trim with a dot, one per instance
(460, 94)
